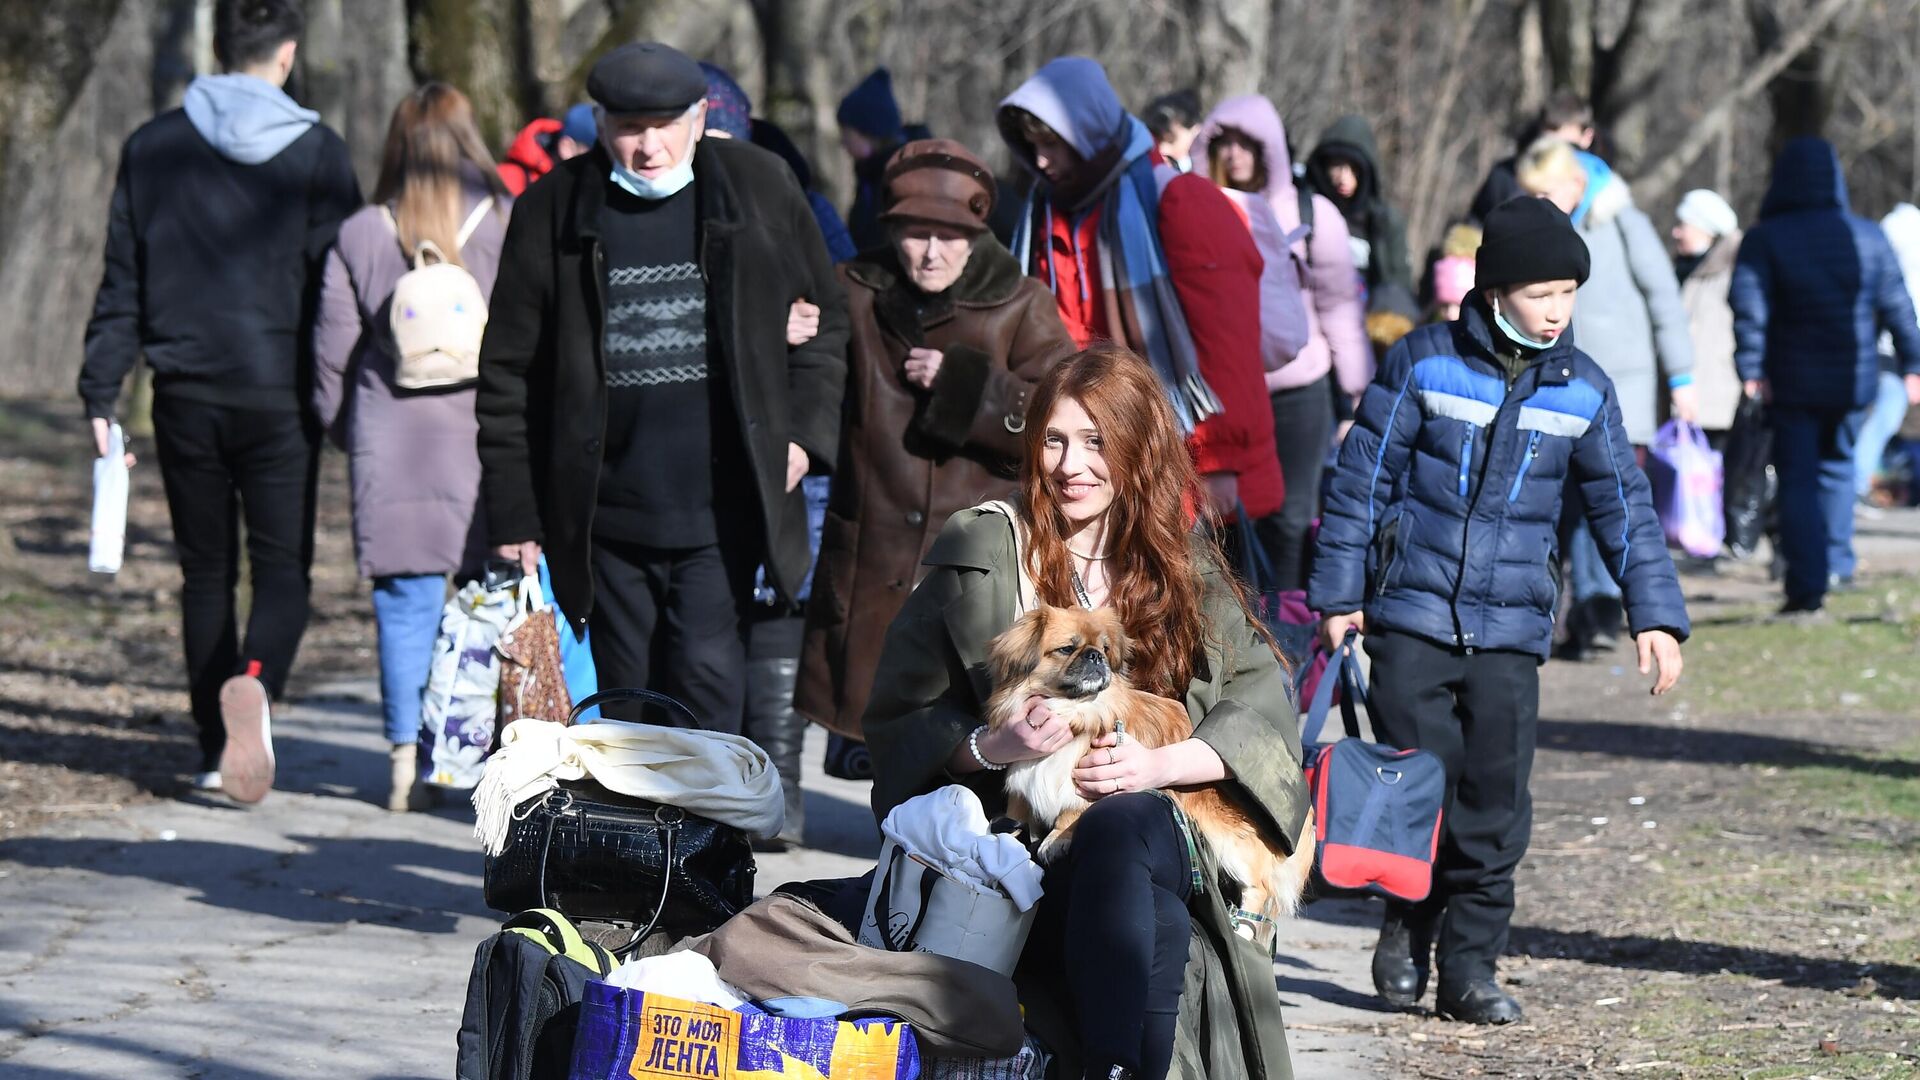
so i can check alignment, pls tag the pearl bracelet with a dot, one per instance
(973, 747)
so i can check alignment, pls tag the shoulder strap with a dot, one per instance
(473, 222)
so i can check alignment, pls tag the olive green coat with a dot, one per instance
(929, 694)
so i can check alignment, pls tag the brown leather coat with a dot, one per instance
(910, 458)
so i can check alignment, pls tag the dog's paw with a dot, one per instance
(1053, 848)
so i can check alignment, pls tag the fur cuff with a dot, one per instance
(958, 390)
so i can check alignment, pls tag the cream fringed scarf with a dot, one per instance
(723, 777)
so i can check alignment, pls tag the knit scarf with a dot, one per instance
(1134, 275)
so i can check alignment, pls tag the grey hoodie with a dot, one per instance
(247, 119)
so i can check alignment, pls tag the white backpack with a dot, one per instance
(438, 314)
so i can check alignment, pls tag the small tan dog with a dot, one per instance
(1074, 658)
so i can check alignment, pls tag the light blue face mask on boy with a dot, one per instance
(1513, 334)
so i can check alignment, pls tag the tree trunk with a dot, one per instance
(78, 78)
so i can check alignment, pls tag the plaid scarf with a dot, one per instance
(1134, 281)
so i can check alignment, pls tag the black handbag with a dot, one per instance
(591, 853)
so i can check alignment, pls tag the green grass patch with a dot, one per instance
(1865, 658)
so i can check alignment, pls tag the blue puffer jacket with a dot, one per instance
(1813, 288)
(1443, 513)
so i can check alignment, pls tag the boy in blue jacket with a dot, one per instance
(1438, 542)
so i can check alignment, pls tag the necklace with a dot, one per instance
(1089, 558)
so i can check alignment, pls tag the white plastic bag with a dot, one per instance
(107, 543)
(462, 699)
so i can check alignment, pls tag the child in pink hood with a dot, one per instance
(1242, 145)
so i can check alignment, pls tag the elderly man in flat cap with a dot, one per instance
(643, 420)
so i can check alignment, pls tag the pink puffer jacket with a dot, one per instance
(1336, 316)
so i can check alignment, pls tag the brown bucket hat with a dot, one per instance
(941, 181)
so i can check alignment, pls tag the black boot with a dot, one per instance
(1479, 1001)
(772, 723)
(1402, 958)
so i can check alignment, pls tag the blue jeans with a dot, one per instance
(1813, 451)
(1586, 568)
(1883, 422)
(406, 610)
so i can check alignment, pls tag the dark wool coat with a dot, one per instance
(912, 458)
(1445, 459)
(542, 399)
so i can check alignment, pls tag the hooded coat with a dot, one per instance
(910, 459)
(1370, 218)
(1336, 312)
(412, 458)
(1210, 257)
(1814, 286)
(221, 214)
(1629, 313)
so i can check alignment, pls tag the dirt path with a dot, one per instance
(93, 706)
(1722, 884)
(1725, 883)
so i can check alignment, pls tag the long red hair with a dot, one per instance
(1154, 580)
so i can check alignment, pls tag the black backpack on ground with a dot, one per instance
(523, 999)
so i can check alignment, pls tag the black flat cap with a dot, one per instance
(646, 78)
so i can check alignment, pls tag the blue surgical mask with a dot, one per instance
(668, 184)
(1514, 335)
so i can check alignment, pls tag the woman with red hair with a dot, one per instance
(1107, 516)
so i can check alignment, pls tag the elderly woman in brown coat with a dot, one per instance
(949, 338)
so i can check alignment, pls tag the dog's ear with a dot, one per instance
(1016, 652)
(1113, 638)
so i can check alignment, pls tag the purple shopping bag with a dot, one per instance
(1685, 474)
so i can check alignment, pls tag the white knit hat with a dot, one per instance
(1707, 211)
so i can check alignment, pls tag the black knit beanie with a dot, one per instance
(1529, 239)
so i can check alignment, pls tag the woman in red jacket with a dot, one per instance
(1161, 262)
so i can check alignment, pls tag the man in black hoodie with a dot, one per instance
(220, 216)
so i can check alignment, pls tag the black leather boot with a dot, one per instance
(1479, 1001)
(1402, 958)
(772, 723)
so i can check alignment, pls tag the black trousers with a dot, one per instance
(1479, 711)
(1302, 430)
(1113, 932)
(222, 466)
(674, 620)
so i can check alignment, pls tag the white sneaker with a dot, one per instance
(207, 781)
(247, 762)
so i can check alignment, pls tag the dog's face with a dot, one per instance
(1060, 652)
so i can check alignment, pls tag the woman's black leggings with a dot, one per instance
(1117, 906)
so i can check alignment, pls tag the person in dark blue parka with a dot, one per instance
(1439, 542)
(1812, 289)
